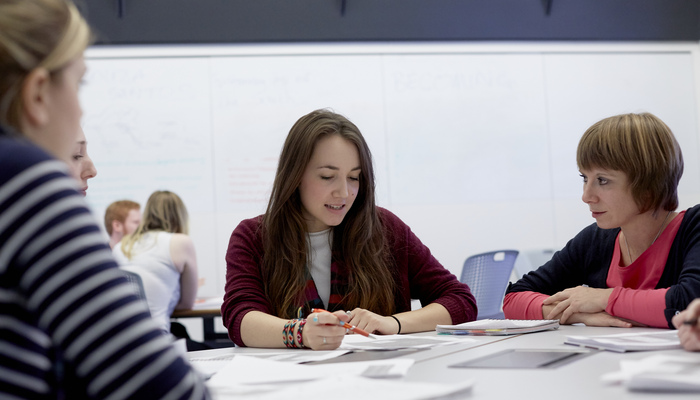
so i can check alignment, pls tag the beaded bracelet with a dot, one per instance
(285, 333)
(291, 334)
(288, 333)
(300, 338)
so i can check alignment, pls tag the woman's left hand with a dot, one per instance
(580, 299)
(373, 323)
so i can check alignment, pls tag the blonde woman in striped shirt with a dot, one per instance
(70, 327)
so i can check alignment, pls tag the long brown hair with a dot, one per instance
(358, 242)
(165, 212)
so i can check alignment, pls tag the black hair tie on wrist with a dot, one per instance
(398, 322)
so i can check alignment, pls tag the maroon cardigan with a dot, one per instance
(420, 275)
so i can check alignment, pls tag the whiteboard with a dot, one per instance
(474, 145)
(480, 116)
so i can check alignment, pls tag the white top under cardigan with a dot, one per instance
(319, 263)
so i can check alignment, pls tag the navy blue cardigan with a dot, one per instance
(586, 260)
(75, 328)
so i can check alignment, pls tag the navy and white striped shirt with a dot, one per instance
(70, 326)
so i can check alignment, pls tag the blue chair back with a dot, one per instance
(487, 275)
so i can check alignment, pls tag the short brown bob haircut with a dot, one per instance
(644, 148)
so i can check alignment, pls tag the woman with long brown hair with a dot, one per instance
(324, 244)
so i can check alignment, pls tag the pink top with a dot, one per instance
(634, 296)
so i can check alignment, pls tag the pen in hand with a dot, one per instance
(347, 326)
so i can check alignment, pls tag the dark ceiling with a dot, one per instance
(254, 21)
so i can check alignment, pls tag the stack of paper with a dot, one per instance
(658, 373)
(498, 327)
(265, 379)
(348, 387)
(252, 370)
(396, 342)
(632, 341)
(209, 365)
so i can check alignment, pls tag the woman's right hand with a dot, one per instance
(579, 299)
(322, 330)
(598, 319)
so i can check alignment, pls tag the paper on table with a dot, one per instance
(498, 327)
(631, 367)
(658, 373)
(238, 392)
(349, 387)
(252, 370)
(297, 356)
(686, 380)
(395, 342)
(635, 341)
(208, 366)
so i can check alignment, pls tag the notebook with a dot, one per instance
(490, 327)
(632, 341)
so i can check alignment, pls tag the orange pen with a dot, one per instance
(346, 325)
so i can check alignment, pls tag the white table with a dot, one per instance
(579, 379)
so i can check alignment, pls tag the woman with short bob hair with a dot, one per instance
(71, 325)
(639, 264)
(324, 253)
(644, 148)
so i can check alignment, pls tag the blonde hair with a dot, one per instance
(165, 212)
(35, 34)
(644, 148)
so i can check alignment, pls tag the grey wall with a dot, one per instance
(241, 21)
